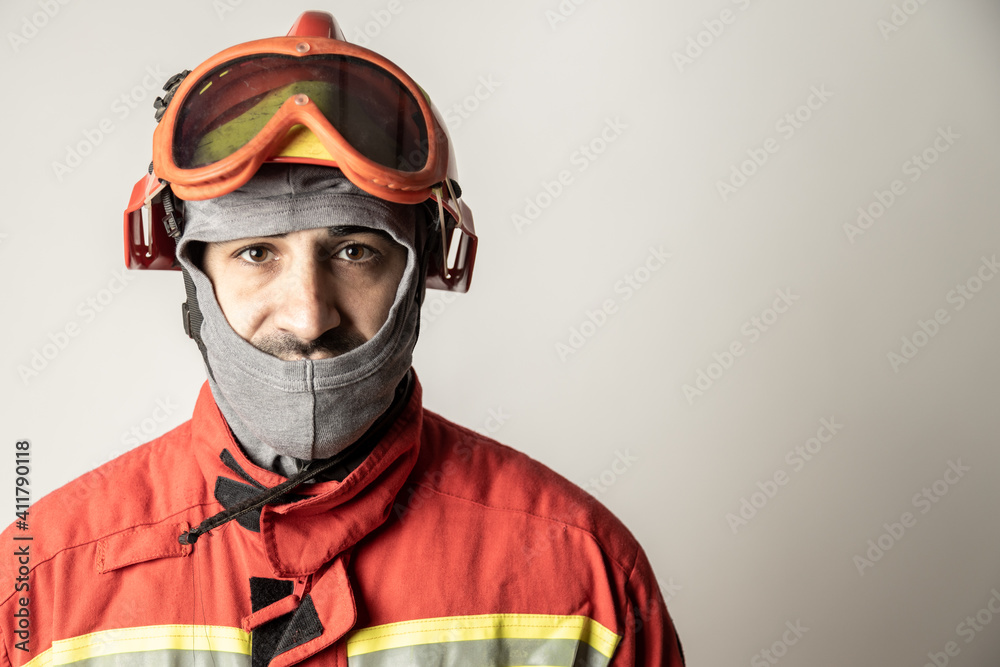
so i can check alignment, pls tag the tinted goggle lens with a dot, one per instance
(373, 111)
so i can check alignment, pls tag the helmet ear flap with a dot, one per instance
(437, 242)
(452, 252)
(152, 225)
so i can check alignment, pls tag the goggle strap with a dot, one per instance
(173, 83)
(439, 195)
(451, 191)
(153, 197)
(170, 221)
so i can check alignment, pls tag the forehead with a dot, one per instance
(319, 234)
(328, 213)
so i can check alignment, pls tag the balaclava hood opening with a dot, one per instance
(285, 413)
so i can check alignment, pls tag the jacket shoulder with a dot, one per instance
(466, 465)
(145, 485)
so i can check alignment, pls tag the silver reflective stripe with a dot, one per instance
(167, 658)
(497, 652)
(207, 645)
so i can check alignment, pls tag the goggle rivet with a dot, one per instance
(301, 99)
(302, 47)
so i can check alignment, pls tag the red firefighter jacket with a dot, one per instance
(441, 548)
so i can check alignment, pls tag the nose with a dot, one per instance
(306, 301)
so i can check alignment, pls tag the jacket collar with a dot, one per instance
(342, 512)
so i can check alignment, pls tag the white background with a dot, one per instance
(682, 126)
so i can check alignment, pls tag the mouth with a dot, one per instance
(288, 347)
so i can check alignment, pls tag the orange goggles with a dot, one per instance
(300, 99)
(311, 98)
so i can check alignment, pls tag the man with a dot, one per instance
(311, 511)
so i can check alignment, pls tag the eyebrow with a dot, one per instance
(336, 231)
(347, 230)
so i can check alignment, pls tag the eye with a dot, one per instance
(355, 253)
(255, 254)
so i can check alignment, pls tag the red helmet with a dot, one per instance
(310, 98)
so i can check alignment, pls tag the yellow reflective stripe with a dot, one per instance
(148, 638)
(43, 659)
(485, 626)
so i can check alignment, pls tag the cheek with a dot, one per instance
(386, 297)
(243, 302)
(376, 301)
(368, 309)
(245, 309)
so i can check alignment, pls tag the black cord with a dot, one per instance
(372, 435)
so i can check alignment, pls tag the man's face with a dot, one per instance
(310, 294)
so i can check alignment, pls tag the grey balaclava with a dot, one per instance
(286, 412)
